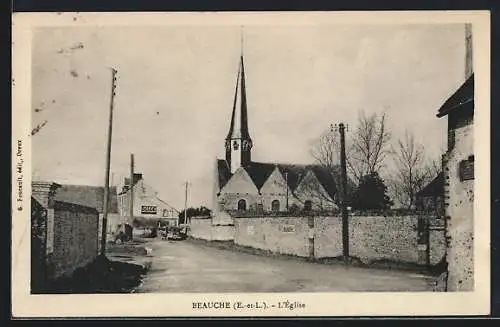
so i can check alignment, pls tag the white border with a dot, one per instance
(317, 304)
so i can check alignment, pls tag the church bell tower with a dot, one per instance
(238, 142)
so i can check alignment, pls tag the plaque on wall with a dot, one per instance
(466, 169)
(288, 228)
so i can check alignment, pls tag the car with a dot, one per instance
(175, 233)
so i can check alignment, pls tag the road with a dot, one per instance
(183, 266)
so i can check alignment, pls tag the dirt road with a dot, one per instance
(182, 266)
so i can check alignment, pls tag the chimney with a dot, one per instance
(44, 192)
(469, 69)
(137, 177)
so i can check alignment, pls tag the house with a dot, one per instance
(245, 185)
(431, 198)
(147, 204)
(64, 233)
(93, 197)
(458, 169)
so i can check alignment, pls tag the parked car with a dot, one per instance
(175, 233)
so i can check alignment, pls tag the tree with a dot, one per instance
(371, 194)
(326, 150)
(194, 212)
(412, 170)
(368, 147)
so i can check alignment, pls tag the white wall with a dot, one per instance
(461, 214)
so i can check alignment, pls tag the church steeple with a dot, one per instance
(238, 141)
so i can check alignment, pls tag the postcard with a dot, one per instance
(250, 164)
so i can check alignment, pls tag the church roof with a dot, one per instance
(239, 117)
(294, 173)
(326, 178)
(224, 173)
(259, 172)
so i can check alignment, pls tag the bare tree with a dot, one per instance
(368, 146)
(326, 150)
(412, 170)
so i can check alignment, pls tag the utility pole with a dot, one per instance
(185, 203)
(131, 190)
(343, 193)
(286, 185)
(108, 160)
(345, 221)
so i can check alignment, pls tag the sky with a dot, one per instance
(175, 87)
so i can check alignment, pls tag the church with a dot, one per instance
(245, 185)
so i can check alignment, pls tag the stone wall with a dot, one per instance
(371, 238)
(460, 213)
(437, 248)
(75, 238)
(384, 238)
(203, 228)
(327, 237)
(284, 235)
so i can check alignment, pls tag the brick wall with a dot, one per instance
(75, 238)
(38, 246)
(460, 213)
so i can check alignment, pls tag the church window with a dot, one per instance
(242, 205)
(235, 145)
(308, 205)
(275, 206)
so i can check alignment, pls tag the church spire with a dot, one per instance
(238, 141)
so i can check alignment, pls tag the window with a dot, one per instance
(308, 205)
(235, 145)
(242, 205)
(275, 206)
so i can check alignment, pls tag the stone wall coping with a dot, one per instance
(201, 217)
(73, 206)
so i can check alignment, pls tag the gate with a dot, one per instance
(431, 240)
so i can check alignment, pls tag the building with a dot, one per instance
(64, 234)
(458, 169)
(430, 199)
(245, 185)
(146, 204)
(93, 197)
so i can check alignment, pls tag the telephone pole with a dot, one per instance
(345, 221)
(108, 160)
(343, 193)
(185, 202)
(286, 185)
(131, 190)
